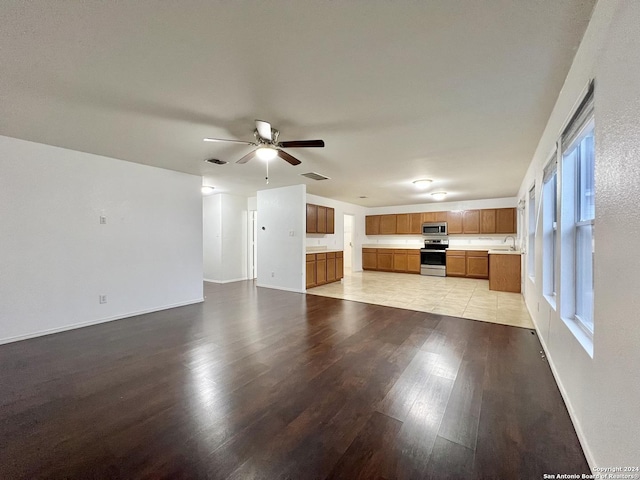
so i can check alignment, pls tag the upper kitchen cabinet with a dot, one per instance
(388, 224)
(454, 222)
(372, 225)
(506, 220)
(415, 223)
(429, 217)
(488, 220)
(320, 219)
(403, 223)
(471, 221)
(312, 218)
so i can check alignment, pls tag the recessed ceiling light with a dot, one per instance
(207, 190)
(439, 195)
(266, 153)
(422, 183)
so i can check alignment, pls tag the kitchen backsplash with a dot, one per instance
(454, 240)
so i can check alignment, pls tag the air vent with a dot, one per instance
(216, 161)
(314, 176)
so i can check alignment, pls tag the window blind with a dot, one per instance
(582, 115)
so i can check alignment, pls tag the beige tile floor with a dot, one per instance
(458, 297)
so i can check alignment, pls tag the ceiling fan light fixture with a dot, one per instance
(206, 190)
(422, 183)
(439, 195)
(266, 153)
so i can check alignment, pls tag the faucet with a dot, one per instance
(514, 241)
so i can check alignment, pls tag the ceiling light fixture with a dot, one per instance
(422, 183)
(439, 195)
(207, 190)
(266, 153)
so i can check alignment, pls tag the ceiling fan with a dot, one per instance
(268, 145)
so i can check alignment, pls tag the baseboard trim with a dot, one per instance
(572, 415)
(90, 323)
(281, 288)
(226, 281)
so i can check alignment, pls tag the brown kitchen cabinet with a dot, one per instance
(504, 273)
(415, 223)
(413, 261)
(372, 225)
(400, 261)
(311, 270)
(454, 222)
(322, 268)
(456, 263)
(471, 221)
(506, 221)
(385, 260)
(477, 264)
(403, 223)
(312, 218)
(388, 224)
(488, 220)
(320, 219)
(369, 259)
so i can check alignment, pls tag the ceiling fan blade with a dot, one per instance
(225, 140)
(264, 129)
(288, 158)
(302, 144)
(247, 157)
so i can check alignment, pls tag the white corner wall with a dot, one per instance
(225, 238)
(55, 256)
(602, 392)
(281, 238)
(336, 239)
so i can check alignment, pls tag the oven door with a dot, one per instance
(433, 262)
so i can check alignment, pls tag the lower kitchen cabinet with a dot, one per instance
(468, 263)
(477, 264)
(311, 270)
(456, 263)
(401, 260)
(322, 268)
(413, 261)
(369, 259)
(505, 273)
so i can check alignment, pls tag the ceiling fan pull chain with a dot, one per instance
(267, 177)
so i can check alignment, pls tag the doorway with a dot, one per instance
(349, 221)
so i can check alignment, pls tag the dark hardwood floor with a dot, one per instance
(257, 383)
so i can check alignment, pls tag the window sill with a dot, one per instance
(583, 339)
(551, 300)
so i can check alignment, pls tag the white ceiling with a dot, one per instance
(457, 91)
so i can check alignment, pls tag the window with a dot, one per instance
(550, 228)
(531, 246)
(578, 168)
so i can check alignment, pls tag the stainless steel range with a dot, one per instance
(433, 257)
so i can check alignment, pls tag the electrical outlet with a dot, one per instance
(292, 233)
(273, 274)
(102, 298)
(103, 219)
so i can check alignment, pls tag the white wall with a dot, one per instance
(55, 256)
(602, 392)
(225, 238)
(336, 239)
(281, 238)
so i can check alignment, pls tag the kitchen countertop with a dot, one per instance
(505, 252)
(322, 250)
(400, 246)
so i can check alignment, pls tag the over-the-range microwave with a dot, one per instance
(436, 228)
